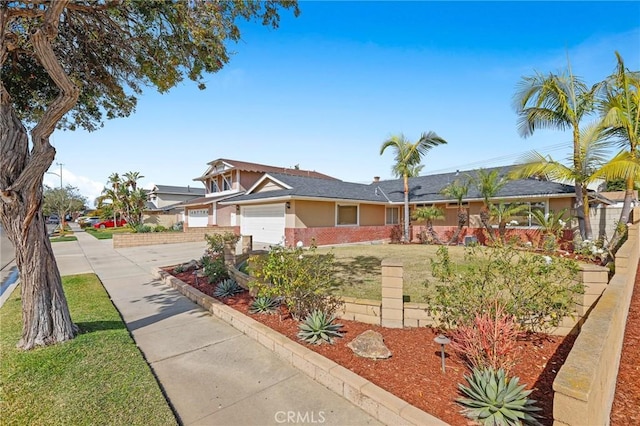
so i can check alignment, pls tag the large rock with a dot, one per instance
(370, 344)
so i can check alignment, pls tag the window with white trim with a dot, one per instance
(226, 182)
(526, 218)
(214, 186)
(346, 214)
(392, 215)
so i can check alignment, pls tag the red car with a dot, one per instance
(109, 223)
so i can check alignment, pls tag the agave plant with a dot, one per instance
(494, 399)
(227, 288)
(318, 327)
(264, 305)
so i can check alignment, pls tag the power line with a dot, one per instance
(502, 159)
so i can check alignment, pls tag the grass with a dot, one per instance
(359, 267)
(107, 233)
(63, 239)
(100, 377)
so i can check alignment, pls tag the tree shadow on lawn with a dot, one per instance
(357, 270)
(93, 326)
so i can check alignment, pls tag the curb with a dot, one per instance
(377, 402)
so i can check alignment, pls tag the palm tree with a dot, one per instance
(407, 163)
(429, 214)
(488, 184)
(503, 212)
(620, 109)
(458, 191)
(131, 179)
(560, 102)
(586, 165)
(552, 224)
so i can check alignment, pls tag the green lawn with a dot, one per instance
(359, 267)
(107, 233)
(98, 378)
(63, 239)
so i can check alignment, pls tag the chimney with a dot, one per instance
(376, 179)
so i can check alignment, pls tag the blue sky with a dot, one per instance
(327, 88)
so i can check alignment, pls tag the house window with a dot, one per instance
(347, 215)
(392, 216)
(526, 218)
(226, 182)
(214, 186)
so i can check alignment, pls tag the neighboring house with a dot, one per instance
(164, 203)
(225, 178)
(280, 207)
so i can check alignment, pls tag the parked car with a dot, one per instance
(54, 219)
(109, 223)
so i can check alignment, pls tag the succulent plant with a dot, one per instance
(264, 305)
(227, 288)
(318, 327)
(495, 399)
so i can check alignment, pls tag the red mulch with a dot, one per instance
(626, 403)
(413, 373)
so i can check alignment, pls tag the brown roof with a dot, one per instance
(255, 167)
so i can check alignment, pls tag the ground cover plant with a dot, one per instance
(98, 378)
(63, 239)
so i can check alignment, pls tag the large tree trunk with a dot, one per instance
(463, 217)
(582, 212)
(45, 314)
(629, 196)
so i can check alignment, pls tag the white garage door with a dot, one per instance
(264, 223)
(198, 218)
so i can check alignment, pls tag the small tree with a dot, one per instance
(62, 201)
(429, 214)
(457, 190)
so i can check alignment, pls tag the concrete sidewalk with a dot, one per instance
(211, 373)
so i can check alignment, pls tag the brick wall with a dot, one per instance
(154, 238)
(337, 234)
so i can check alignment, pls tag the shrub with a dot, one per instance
(142, 229)
(537, 290)
(318, 327)
(178, 269)
(227, 288)
(177, 226)
(305, 281)
(493, 399)
(214, 268)
(159, 228)
(217, 241)
(489, 342)
(396, 234)
(264, 305)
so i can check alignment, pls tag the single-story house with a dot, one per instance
(285, 205)
(284, 208)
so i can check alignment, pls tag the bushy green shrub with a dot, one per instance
(159, 228)
(216, 242)
(304, 279)
(318, 327)
(142, 229)
(494, 399)
(214, 268)
(537, 290)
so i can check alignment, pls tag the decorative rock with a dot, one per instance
(192, 264)
(370, 344)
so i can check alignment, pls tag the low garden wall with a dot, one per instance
(154, 238)
(393, 312)
(585, 385)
